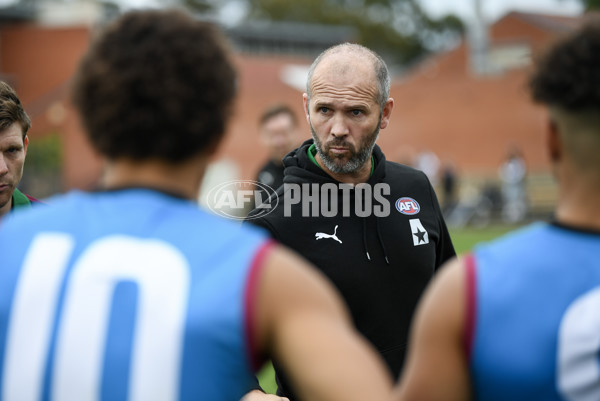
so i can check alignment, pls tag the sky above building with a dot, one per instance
(494, 9)
(234, 10)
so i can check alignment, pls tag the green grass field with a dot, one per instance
(463, 239)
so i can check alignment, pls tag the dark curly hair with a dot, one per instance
(11, 109)
(155, 84)
(568, 73)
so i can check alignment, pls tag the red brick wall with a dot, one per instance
(438, 106)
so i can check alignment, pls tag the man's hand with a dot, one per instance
(257, 395)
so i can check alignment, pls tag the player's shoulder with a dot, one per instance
(517, 236)
(53, 205)
(23, 223)
(514, 246)
(131, 212)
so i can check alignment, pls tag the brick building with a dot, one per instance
(440, 104)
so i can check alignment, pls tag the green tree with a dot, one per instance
(397, 29)
(201, 6)
(591, 4)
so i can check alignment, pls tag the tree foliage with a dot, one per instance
(200, 6)
(398, 29)
(591, 5)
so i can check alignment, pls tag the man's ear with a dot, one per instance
(25, 144)
(553, 140)
(386, 113)
(305, 103)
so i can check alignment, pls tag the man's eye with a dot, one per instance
(323, 109)
(356, 112)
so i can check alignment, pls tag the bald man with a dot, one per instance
(372, 226)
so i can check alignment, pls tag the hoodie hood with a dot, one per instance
(298, 168)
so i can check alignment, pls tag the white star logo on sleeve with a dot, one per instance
(420, 235)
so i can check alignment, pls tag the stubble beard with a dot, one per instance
(336, 163)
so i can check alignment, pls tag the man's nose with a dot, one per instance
(3, 165)
(339, 127)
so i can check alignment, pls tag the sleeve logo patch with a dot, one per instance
(408, 206)
(420, 234)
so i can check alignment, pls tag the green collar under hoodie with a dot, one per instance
(19, 199)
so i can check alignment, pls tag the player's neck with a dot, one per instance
(578, 205)
(182, 178)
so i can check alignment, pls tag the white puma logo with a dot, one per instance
(318, 236)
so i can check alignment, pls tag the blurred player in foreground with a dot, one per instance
(519, 319)
(134, 293)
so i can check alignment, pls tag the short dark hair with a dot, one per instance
(276, 110)
(156, 84)
(11, 110)
(568, 73)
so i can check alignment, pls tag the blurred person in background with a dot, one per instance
(132, 292)
(450, 187)
(279, 134)
(513, 174)
(278, 130)
(14, 124)
(428, 162)
(517, 319)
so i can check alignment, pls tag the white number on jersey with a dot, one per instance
(578, 367)
(162, 276)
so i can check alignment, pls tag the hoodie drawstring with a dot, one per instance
(381, 241)
(365, 238)
(379, 238)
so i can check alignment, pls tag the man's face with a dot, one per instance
(279, 134)
(12, 157)
(351, 159)
(343, 112)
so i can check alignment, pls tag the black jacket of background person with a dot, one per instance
(381, 295)
(270, 174)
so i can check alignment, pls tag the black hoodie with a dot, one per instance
(380, 263)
